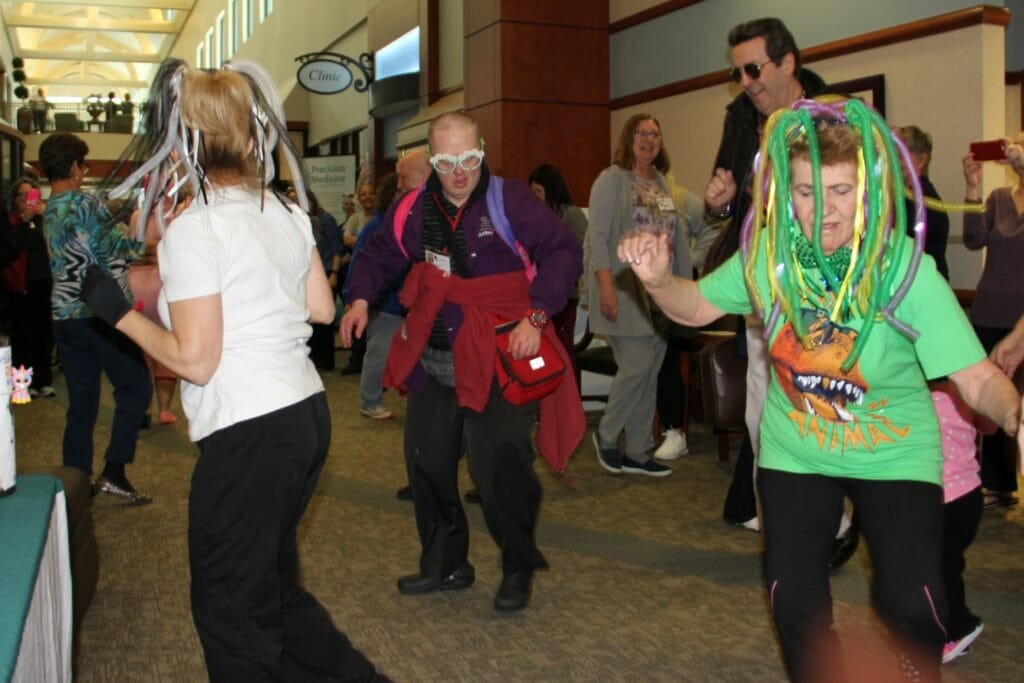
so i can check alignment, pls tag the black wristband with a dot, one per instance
(103, 295)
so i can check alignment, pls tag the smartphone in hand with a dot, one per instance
(32, 197)
(988, 150)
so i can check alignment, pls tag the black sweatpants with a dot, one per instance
(500, 449)
(962, 518)
(902, 524)
(250, 488)
(998, 451)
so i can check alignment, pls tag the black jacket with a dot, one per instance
(936, 227)
(740, 140)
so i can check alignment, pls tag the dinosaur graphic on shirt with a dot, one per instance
(812, 378)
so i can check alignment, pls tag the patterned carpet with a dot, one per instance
(646, 582)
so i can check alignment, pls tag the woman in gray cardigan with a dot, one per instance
(632, 194)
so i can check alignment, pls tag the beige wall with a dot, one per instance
(297, 27)
(450, 35)
(107, 146)
(330, 115)
(389, 20)
(619, 9)
(918, 78)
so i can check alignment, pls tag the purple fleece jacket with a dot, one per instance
(548, 240)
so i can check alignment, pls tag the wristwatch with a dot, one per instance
(718, 215)
(538, 317)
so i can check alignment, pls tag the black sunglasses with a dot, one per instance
(750, 68)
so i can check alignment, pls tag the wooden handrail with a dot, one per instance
(951, 21)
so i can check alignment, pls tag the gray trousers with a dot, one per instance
(633, 394)
(379, 331)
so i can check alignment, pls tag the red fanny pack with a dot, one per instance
(526, 379)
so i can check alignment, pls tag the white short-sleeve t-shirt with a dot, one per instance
(258, 262)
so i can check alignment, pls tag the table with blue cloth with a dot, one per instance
(35, 583)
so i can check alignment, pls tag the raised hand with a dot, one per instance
(972, 176)
(649, 256)
(721, 190)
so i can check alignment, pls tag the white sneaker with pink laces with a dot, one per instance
(958, 648)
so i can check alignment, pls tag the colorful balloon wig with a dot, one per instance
(164, 156)
(864, 286)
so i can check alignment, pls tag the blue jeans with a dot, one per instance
(88, 347)
(379, 331)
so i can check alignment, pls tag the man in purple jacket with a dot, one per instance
(450, 226)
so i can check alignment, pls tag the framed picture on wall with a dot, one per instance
(870, 90)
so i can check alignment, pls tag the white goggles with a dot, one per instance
(469, 160)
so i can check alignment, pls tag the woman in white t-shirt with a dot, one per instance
(241, 284)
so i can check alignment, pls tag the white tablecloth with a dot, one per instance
(45, 654)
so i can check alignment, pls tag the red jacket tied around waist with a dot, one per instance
(427, 289)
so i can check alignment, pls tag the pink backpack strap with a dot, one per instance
(402, 212)
(495, 207)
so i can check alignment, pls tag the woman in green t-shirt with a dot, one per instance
(857, 321)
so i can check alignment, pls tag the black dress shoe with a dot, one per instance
(473, 496)
(350, 370)
(843, 549)
(417, 583)
(404, 493)
(514, 592)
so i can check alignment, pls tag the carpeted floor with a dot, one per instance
(646, 582)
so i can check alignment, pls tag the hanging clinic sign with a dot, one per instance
(327, 73)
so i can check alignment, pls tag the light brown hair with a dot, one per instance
(918, 142)
(624, 149)
(838, 143)
(219, 105)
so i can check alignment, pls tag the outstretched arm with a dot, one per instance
(679, 298)
(192, 350)
(989, 392)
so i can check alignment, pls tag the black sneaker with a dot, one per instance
(610, 458)
(648, 467)
(843, 548)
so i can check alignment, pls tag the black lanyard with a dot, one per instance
(449, 235)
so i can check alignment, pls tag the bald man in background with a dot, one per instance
(412, 170)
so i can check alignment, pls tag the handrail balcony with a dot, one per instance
(88, 116)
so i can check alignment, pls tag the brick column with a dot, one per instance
(536, 78)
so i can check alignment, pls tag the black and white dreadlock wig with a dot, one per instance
(164, 157)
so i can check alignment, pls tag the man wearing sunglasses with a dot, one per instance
(465, 279)
(766, 64)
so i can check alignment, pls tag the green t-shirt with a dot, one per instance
(877, 421)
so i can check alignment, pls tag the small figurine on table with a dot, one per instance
(21, 378)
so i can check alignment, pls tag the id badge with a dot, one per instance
(666, 204)
(441, 261)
